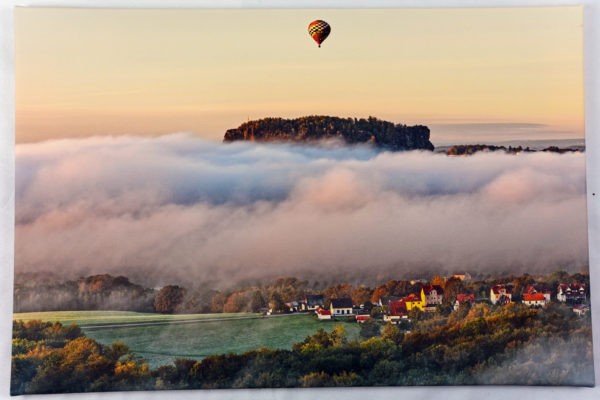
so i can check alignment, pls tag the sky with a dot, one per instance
(471, 75)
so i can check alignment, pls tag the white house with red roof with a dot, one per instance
(532, 289)
(396, 311)
(323, 313)
(535, 299)
(434, 294)
(500, 294)
(362, 318)
(463, 298)
(571, 293)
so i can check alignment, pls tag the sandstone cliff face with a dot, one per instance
(382, 134)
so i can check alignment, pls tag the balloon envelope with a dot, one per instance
(319, 30)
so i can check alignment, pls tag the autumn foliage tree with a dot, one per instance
(168, 299)
(394, 288)
(238, 301)
(276, 303)
(361, 295)
(438, 280)
(58, 359)
(453, 287)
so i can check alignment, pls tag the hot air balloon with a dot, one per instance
(319, 30)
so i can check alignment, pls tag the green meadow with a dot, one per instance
(90, 318)
(159, 338)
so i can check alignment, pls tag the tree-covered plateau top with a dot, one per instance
(382, 134)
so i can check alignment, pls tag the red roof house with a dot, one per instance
(501, 294)
(463, 298)
(361, 318)
(571, 293)
(534, 299)
(323, 313)
(532, 289)
(397, 310)
(434, 294)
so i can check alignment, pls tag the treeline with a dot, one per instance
(97, 292)
(468, 149)
(105, 292)
(276, 295)
(483, 345)
(371, 130)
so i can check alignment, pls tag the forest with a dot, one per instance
(381, 134)
(469, 149)
(478, 344)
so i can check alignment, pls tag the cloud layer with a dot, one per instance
(180, 209)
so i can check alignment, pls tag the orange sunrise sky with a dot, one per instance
(469, 74)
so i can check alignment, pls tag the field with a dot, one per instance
(101, 318)
(159, 339)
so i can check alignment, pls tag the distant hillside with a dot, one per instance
(105, 292)
(98, 292)
(468, 149)
(382, 134)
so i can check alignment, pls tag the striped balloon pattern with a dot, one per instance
(319, 30)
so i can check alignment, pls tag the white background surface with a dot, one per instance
(592, 111)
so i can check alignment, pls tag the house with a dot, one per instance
(462, 298)
(312, 301)
(504, 300)
(408, 302)
(323, 313)
(396, 311)
(433, 295)
(534, 299)
(361, 318)
(293, 306)
(367, 307)
(573, 293)
(532, 289)
(341, 306)
(500, 294)
(580, 309)
(385, 301)
(463, 277)
(413, 301)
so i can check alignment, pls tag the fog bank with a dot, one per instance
(181, 209)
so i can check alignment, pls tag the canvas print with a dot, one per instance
(238, 198)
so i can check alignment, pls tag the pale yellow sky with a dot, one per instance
(488, 73)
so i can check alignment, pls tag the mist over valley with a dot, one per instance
(178, 208)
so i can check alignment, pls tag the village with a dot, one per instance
(431, 298)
